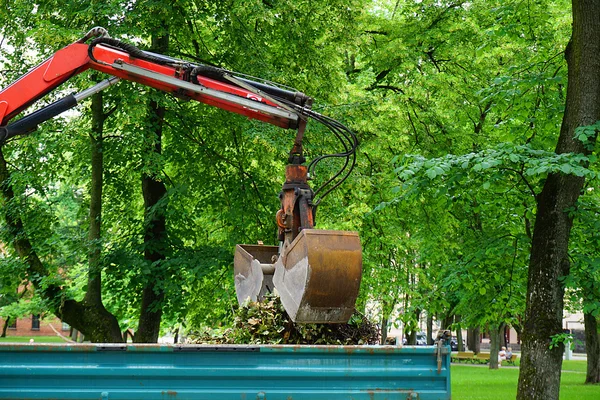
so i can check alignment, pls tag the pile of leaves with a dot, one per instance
(267, 322)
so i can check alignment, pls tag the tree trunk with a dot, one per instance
(5, 327)
(429, 329)
(417, 318)
(411, 337)
(98, 324)
(592, 348)
(447, 322)
(459, 336)
(384, 323)
(539, 376)
(473, 342)
(155, 236)
(93, 294)
(496, 335)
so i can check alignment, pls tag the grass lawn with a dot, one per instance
(574, 366)
(37, 339)
(481, 383)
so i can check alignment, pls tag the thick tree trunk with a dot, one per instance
(539, 376)
(155, 236)
(98, 324)
(592, 348)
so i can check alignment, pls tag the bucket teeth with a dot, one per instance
(317, 277)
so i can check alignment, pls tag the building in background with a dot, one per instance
(33, 325)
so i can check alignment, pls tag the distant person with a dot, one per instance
(501, 355)
(508, 353)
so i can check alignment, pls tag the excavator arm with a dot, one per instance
(316, 273)
(162, 73)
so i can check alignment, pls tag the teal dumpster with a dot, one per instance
(114, 371)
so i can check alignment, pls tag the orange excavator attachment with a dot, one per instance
(316, 273)
(319, 275)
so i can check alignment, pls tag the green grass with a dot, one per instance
(481, 383)
(37, 339)
(574, 366)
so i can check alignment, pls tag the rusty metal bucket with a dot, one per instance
(253, 271)
(318, 276)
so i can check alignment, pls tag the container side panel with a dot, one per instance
(223, 372)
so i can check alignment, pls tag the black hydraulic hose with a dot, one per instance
(129, 49)
(293, 99)
(208, 71)
(30, 122)
(349, 142)
(217, 73)
(338, 183)
(277, 92)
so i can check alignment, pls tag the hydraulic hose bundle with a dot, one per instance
(285, 96)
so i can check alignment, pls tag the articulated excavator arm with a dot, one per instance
(316, 273)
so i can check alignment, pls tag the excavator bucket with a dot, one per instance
(315, 272)
(318, 276)
(253, 271)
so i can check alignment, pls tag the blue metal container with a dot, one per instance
(113, 371)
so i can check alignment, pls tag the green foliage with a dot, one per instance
(562, 339)
(267, 323)
(476, 91)
(587, 135)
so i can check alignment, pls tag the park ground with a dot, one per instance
(473, 382)
(470, 382)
